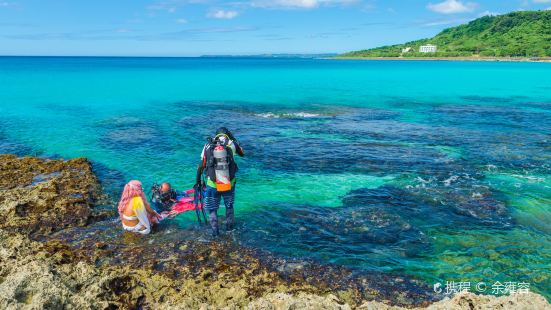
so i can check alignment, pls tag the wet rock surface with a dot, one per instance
(55, 253)
(42, 196)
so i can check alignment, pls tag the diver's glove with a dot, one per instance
(230, 135)
(198, 186)
(238, 148)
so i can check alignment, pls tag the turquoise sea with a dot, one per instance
(437, 170)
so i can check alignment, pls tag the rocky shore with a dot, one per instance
(59, 249)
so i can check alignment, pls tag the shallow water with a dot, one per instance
(438, 170)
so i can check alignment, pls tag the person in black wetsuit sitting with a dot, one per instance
(163, 197)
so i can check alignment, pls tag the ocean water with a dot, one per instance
(437, 170)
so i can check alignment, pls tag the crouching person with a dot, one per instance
(135, 212)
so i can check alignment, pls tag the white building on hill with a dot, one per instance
(429, 48)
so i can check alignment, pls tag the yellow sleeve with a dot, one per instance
(137, 203)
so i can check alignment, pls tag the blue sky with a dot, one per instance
(198, 27)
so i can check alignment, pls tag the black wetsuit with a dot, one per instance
(163, 201)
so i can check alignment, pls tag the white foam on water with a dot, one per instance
(304, 115)
(529, 177)
(476, 195)
(423, 182)
(450, 180)
(288, 115)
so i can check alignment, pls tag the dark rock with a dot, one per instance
(44, 196)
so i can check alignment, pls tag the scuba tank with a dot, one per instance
(222, 168)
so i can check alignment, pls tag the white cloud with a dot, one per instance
(181, 21)
(300, 4)
(542, 1)
(451, 7)
(222, 14)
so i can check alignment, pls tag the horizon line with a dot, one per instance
(184, 56)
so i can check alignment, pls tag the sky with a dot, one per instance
(240, 27)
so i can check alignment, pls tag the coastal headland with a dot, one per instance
(470, 58)
(516, 36)
(61, 247)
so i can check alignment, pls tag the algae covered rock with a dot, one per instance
(43, 196)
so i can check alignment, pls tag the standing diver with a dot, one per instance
(217, 158)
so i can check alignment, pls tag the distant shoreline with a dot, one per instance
(486, 59)
(490, 59)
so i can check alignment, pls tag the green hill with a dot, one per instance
(518, 34)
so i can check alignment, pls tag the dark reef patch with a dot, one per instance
(501, 136)
(319, 156)
(356, 140)
(434, 207)
(335, 234)
(539, 105)
(124, 133)
(383, 225)
(490, 99)
(112, 181)
(8, 145)
(491, 118)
